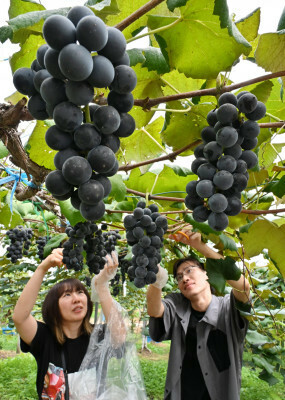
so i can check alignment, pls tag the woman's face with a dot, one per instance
(73, 305)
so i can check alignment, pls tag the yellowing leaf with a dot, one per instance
(38, 150)
(249, 25)
(264, 234)
(205, 33)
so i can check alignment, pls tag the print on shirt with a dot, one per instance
(54, 384)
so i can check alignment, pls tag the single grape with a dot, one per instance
(76, 170)
(223, 180)
(217, 203)
(247, 103)
(218, 221)
(58, 32)
(227, 113)
(200, 213)
(227, 98)
(205, 188)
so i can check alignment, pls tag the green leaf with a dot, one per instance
(172, 4)
(273, 44)
(281, 23)
(268, 377)
(228, 243)
(181, 83)
(148, 85)
(249, 25)
(277, 188)
(117, 10)
(118, 191)
(204, 25)
(136, 56)
(184, 128)
(263, 234)
(221, 270)
(268, 153)
(3, 150)
(256, 339)
(6, 32)
(27, 54)
(70, 213)
(10, 220)
(262, 363)
(143, 144)
(38, 150)
(155, 61)
(54, 243)
(18, 7)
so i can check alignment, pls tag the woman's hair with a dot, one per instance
(51, 312)
(194, 261)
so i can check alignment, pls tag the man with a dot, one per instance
(206, 332)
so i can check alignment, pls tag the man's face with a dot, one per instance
(192, 280)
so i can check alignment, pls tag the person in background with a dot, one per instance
(207, 332)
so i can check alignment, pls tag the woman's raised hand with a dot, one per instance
(53, 260)
(109, 270)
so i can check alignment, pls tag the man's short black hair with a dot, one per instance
(186, 259)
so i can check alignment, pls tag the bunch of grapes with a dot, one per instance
(86, 236)
(123, 264)
(41, 242)
(115, 284)
(120, 277)
(20, 241)
(60, 83)
(110, 240)
(224, 157)
(145, 229)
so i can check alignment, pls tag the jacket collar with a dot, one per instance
(183, 310)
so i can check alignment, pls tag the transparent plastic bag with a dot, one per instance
(113, 354)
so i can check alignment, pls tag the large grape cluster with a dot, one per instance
(20, 241)
(224, 157)
(86, 236)
(144, 232)
(81, 54)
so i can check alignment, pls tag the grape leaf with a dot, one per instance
(281, 23)
(70, 213)
(143, 144)
(27, 53)
(249, 25)
(10, 220)
(269, 52)
(263, 234)
(118, 191)
(3, 150)
(184, 128)
(172, 4)
(54, 242)
(38, 150)
(204, 26)
(221, 270)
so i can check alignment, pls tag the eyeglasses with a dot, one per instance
(187, 271)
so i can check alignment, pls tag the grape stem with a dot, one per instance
(147, 103)
(153, 139)
(137, 14)
(154, 31)
(170, 156)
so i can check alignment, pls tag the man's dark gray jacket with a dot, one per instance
(221, 314)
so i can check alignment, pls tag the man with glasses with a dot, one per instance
(206, 332)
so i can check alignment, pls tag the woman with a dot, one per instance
(60, 343)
